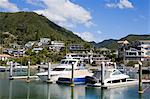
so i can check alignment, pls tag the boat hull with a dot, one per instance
(77, 81)
(115, 85)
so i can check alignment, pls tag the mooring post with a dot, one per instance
(11, 70)
(49, 71)
(140, 78)
(28, 78)
(72, 93)
(102, 73)
(72, 75)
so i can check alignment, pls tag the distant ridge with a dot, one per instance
(29, 26)
(112, 43)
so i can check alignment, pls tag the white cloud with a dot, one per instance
(87, 36)
(122, 4)
(66, 13)
(99, 32)
(8, 6)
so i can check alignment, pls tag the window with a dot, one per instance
(116, 72)
(58, 69)
(64, 62)
(70, 62)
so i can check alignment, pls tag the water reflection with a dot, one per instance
(10, 89)
(28, 91)
(38, 90)
(48, 92)
(72, 92)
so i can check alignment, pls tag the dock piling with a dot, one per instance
(11, 70)
(140, 91)
(28, 78)
(49, 71)
(102, 73)
(72, 75)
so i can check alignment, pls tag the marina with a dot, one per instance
(39, 90)
(74, 49)
(34, 87)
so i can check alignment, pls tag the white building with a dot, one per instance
(4, 57)
(56, 45)
(29, 44)
(133, 54)
(36, 50)
(145, 48)
(44, 40)
(88, 57)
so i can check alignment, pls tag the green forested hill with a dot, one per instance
(27, 26)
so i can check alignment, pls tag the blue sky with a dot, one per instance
(93, 20)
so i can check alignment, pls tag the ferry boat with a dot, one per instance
(65, 69)
(112, 78)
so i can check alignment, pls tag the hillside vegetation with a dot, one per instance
(29, 26)
(112, 43)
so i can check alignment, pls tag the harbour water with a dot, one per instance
(39, 90)
(19, 89)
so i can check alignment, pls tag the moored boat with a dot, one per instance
(112, 78)
(63, 69)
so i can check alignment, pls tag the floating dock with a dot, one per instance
(115, 85)
(120, 84)
(23, 77)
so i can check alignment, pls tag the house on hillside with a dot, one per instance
(30, 44)
(36, 50)
(56, 45)
(4, 57)
(75, 47)
(45, 40)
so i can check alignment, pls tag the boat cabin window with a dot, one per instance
(70, 62)
(68, 69)
(116, 72)
(67, 62)
(58, 69)
(64, 62)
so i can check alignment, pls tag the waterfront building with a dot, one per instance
(135, 51)
(122, 46)
(36, 50)
(56, 45)
(4, 57)
(145, 48)
(13, 52)
(91, 58)
(133, 54)
(18, 53)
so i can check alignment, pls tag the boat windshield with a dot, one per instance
(58, 69)
(70, 62)
(64, 62)
(67, 62)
